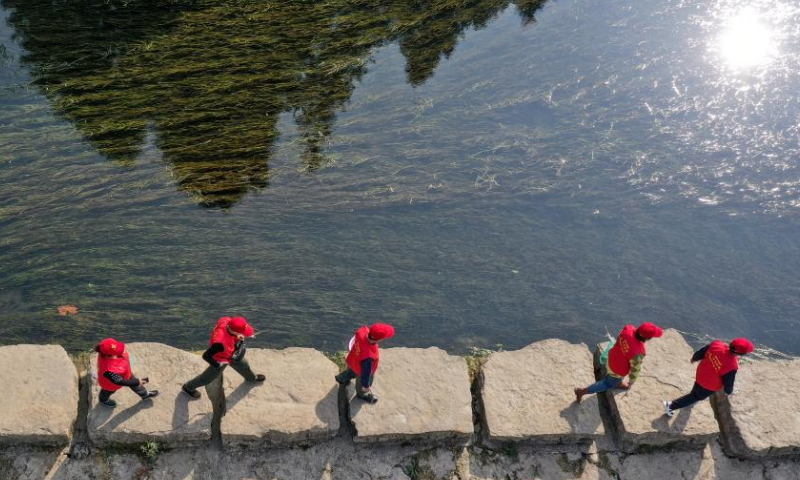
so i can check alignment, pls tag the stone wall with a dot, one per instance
(520, 404)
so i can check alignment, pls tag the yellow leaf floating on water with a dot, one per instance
(67, 310)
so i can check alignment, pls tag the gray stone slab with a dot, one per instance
(40, 401)
(672, 464)
(528, 394)
(172, 418)
(762, 418)
(298, 402)
(667, 374)
(424, 394)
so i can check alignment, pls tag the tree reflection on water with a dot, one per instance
(210, 77)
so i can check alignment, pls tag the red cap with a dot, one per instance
(109, 347)
(649, 330)
(240, 325)
(742, 346)
(380, 331)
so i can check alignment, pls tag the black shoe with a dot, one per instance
(341, 381)
(259, 378)
(150, 394)
(191, 393)
(109, 403)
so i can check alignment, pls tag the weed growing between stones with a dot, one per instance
(575, 467)
(147, 452)
(475, 361)
(477, 357)
(150, 451)
(339, 358)
(604, 463)
(415, 471)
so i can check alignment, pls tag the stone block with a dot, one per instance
(298, 402)
(667, 374)
(424, 394)
(528, 394)
(172, 418)
(762, 418)
(40, 404)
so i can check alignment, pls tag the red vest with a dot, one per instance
(363, 349)
(718, 361)
(220, 335)
(120, 365)
(626, 349)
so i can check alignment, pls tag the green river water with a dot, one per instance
(474, 172)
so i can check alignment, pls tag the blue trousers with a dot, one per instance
(605, 384)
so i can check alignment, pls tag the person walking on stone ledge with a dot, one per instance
(114, 372)
(716, 371)
(362, 361)
(226, 347)
(624, 359)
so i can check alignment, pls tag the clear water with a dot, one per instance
(475, 172)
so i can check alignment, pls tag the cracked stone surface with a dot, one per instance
(762, 418)
(423, 395)
(297, 403)
(528, 394)
(783, 470)
(172, 418)
(41, 401)
(534, 465)
(341, 459)
(666, 375)
(707, 464)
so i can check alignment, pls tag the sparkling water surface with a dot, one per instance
(474, 172)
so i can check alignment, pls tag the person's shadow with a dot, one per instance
(583, 418)
(355, 404)
(237, 395)
(109, 422)
(327, 409)
(677, 424)
(180, 413)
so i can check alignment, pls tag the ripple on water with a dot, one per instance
(502, 170)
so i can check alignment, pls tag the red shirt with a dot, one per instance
(717, 361)
(363, 349)
(220, 335)
(626, 349)
(117, 364)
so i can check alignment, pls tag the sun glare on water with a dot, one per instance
(747, 40)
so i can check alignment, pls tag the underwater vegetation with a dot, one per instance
(207, 80)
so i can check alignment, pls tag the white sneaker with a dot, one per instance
(668, 411)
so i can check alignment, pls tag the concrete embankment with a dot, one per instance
(517, 419)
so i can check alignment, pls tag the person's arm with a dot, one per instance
(727, 381)
(698, 355)
(117, 379)
(238, 351)
(208, 355)
(366, 372)
(636, 368)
